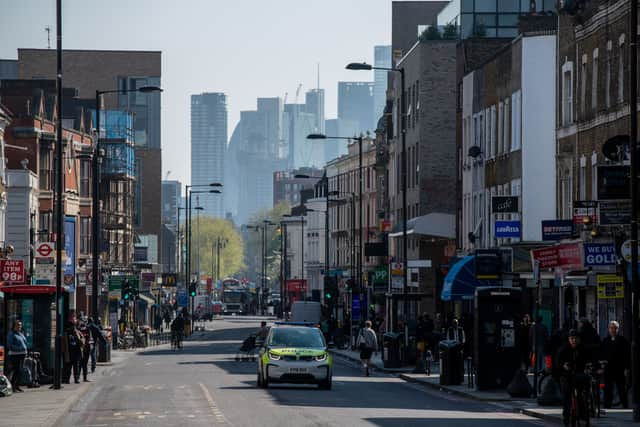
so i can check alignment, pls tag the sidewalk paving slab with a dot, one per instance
(526, 406)
(46, 407)
(376, 360)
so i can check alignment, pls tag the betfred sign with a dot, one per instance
(12, 271)
(566, 256)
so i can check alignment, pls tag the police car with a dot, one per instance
(295, 353)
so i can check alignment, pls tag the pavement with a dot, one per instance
(45, 407)
(527, 406)
(203, 385)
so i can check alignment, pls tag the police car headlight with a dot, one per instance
(321, 358)
(273, 356)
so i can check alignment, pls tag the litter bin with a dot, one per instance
(104, 348)
(391, 347)
(451, 364)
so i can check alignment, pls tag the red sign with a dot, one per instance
(296, 289)
(12, 271)
(567, 255)
(44, 250)
(209, 285)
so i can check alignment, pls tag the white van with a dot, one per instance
(306, 311)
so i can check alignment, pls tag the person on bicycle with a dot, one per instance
(572, 360)
(177, 329)
(616, 352)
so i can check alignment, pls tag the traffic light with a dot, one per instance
(192, 289)
(331, 291)
(125, 292)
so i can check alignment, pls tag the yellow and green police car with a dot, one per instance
(296, 354)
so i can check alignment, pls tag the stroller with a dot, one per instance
(247, 350)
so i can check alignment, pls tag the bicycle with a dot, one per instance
(580, 410)
(176, 340)
(596, 386)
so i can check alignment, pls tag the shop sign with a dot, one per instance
(614, 182)
(1, 360)
(567, 255)
(610, 286)
(557, 229)
(614, 212)
(12, 270)
(599, 254)
(505, 204)
(508, 229)
(583, 209)
(397, 269)
(625, 250)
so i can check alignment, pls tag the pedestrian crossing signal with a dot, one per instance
(192, 289)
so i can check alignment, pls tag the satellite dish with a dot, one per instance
(616, 148)
(474, 151)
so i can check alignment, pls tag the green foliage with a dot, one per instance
(431, 33)
(479, 31)
(450, 32)
(253, 243)
(205, 233)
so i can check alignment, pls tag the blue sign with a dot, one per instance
(557, 229)
(355, 308)
(630, 271)
(599, 254)
(508, 228)
(183, 298)
(70, 252)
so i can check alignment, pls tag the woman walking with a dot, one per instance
(368, 344)
(17, 343)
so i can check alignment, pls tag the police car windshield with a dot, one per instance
(296, 337)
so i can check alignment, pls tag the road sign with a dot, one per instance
(45, 250)
(625, 250)
(12, 270)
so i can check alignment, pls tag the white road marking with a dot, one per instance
(212, 405)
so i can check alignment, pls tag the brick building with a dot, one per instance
(91, 70)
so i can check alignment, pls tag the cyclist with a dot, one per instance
(572, 361)
(177, 330)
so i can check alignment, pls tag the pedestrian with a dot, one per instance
(87, 349)
(588, 336)
(524, 338)
(538, 339)
(367, 343)
(616, 351)
(72, 345)
(456, 333)
(98, 337)
(17, 346)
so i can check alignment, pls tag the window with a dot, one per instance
(493, 128)
(417, 169)
(567, 93)
(45, 223)
(506, 131)
(594, 81)
(481, 132)
(583, 178)
(515, 121)
(566, 184)
(621, 55)
(85, 178)
(583, 85)
(44, 173)
(594, 175)
(85, 235)
(607, 82)
(500, 129)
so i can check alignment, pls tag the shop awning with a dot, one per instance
(432, 225)
(460, 283)
(148, 300)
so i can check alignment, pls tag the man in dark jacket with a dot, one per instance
(616, 351)
(96, 335)
(572, 360)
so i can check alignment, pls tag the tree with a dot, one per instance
(431, 33)
(253, 243)
(450, 31)
(205, 233)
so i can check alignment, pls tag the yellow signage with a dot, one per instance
(610, 286)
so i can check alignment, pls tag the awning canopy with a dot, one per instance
(148, 300)
(432, 225)
(460, 283)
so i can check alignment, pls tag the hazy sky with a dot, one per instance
(245, 48)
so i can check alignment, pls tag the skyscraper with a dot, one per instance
(355, 102)
(208, 146)
(382, 58)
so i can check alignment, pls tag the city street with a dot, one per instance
(203, 385)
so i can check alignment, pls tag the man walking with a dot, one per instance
(615, 350)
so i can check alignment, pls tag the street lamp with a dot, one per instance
(317, 136)
(95, 163)
(262, 227)
(363, 66)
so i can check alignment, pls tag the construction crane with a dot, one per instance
(166, 177)
(298, 93)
